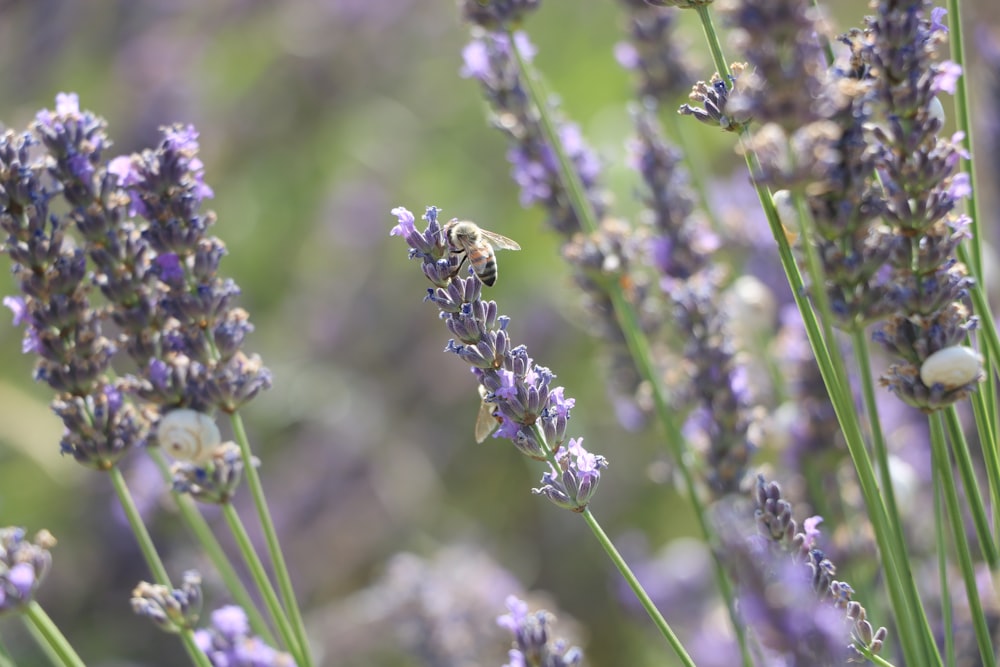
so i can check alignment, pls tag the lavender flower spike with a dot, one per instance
(532, 644)
(228, 642)
(23, 566)
(172, 610)
(532, 413)
(574, 484)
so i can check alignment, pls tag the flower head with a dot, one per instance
(532, 643)
(228, 642)
(172, 610)
(23, 566)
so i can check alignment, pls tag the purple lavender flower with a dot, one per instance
(532, 644)
(717, 98)
(654, 52)
(23, 566)
(214, 480)
(228, 642)
(62, 327)
(599, 259)
(917, 169)
(497, 14)
(573, 484)
(172, 610)
(781, 553)
(722, 420)
(533, 414)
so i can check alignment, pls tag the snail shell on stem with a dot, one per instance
(188, 435)
(951, 367)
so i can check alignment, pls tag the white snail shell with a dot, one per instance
(951, 367)
(188, 435)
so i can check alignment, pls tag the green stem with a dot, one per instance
(7, 661)
(152, 557)
(962, 119)
(260, 577)
(203, 533)
(942, 553)
(636, 341)
(198, 656)
(271, 538)
(972, 494)
(49, 637)
(156, 568)
(637, 588)
(714, 44)
(942, 469)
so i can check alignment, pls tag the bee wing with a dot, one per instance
(499, 241)
(485, 421)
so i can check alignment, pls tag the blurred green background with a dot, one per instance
(316, 119)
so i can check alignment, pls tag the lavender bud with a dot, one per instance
(214, 481)
(532, 643)
(23, 566)
(172, 610)
(574, 485)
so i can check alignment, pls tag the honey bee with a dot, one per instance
(479, 246)
(486, 421)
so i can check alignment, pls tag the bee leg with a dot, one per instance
(458, 267)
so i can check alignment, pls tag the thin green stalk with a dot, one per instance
(152, 557)
(987, 440)
(5, 659)
(259, 575)
(942, 469)
(714, 44)
(271, 538)
(192, 516)
(156, 568)
(963, 120)
(48, 636)
(973, 496)
(942, 553)
(198, 657)
(637, 588)
(636, 341)
(863, 357)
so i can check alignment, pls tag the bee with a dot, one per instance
(478, 246)
(486, 421)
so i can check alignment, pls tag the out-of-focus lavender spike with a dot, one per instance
(653, 51)
(228, 642)
(918, 171)
(781, 553)
(532, 640)
(681, 244)
(437, 609)
(779, 40)
(23, 565)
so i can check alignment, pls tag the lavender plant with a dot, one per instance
(120, 246)
(872, 208)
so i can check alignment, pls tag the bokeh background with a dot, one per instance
(316, 118)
